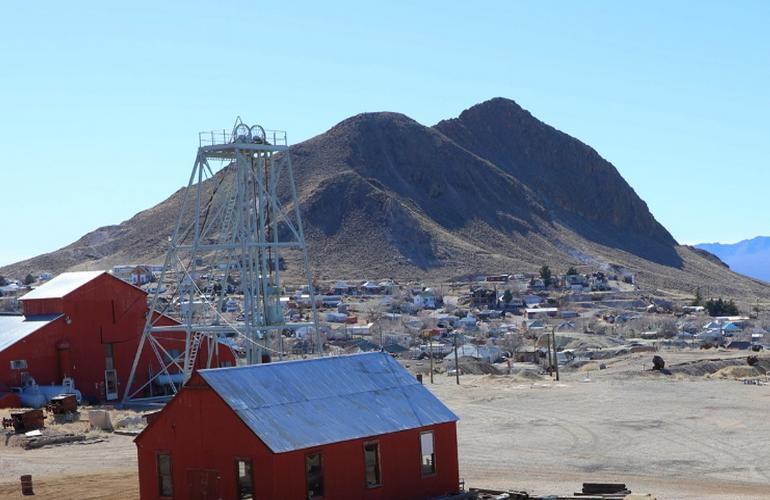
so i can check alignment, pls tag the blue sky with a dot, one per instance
(100, 106)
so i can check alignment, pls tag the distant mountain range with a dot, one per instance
(749, 257)
(493, 190)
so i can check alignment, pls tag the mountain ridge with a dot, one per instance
(492, 190)
(750, 256)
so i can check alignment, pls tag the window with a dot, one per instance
(372, 464)
(18, 364)
(243, 474)
(165, 488)
(314, 475)
(428, 455)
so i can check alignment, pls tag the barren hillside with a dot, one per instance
(494, 190)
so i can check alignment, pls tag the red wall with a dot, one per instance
(42, 306)
(202, 432)
(104, 310)
(39, 350)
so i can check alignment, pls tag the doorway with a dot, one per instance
(202, 484)
(111, 384)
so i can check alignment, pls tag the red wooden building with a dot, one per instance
(346, 427)
(87, 326)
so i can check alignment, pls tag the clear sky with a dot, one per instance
(101, 102)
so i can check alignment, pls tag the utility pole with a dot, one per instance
(550, 359)
(555, 357)
(430, 339)
(457, 365)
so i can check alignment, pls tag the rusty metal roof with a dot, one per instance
(298, 404)
(15, 328)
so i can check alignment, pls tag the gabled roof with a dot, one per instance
(294, 405)
(15, 328)
(62, 285)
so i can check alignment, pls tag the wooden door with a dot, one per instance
(111, 384)
(203, 484)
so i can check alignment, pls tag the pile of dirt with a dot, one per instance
(473, 366)
(584, 365)
(706, 367)
(582, 342)
(737, 373)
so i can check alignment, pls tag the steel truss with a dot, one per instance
(228, 243)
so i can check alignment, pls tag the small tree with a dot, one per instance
(571, 271)
(29, 279)
(668, 329)
(698, 300)
(721, 307)
(507, 297)
(545, 275)
(3, 281)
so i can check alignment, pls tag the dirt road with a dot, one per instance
(677, 437)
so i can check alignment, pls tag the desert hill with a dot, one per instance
(494, 190)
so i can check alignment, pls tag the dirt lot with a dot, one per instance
(104, 469)
(680, 436)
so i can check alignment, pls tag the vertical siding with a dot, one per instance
(202, 432)
(39, 350)
(42, 306)
(104, 310)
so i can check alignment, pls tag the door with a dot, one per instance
(111, 384)
(202, 484)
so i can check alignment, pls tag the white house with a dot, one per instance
(490, 354)
(541, 312)
(425, 299)
(360, 329)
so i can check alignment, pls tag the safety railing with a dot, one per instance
(216, 137)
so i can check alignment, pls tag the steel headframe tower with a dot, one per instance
(228, 243)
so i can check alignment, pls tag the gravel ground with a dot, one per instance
(679, 437)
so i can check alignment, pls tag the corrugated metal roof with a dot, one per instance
(15, 328)
(298, 404)
(62, 285)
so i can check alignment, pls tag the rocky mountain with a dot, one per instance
(750, 257)
(493, 190)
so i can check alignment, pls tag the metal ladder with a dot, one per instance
(226, 220)
(195, 345)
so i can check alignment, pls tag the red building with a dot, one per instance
(87, 326)
(346, 427)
